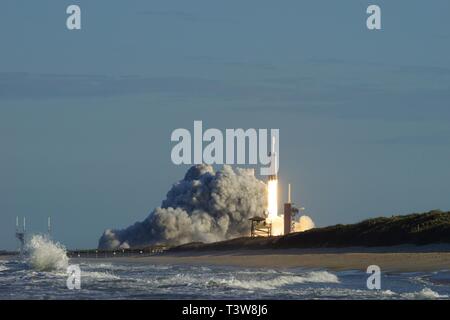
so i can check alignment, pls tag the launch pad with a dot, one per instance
(260, 227)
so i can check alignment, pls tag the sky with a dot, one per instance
(86, 115)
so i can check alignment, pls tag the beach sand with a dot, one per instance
(396, 259)
(349, 259)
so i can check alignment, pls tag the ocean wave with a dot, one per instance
(441, 278)
(95, 275)
(200, 268)
(159, 267)
(101, 265)
(104, 266)
(45, 255)
(180, 279)
(388, 293)
(265, 271)
(139, 280)
(425, 293)
(268, 284)
(186, 279)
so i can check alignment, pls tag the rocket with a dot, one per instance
(273, 161)
(272, 184)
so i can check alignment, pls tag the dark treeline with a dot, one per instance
(420, 229)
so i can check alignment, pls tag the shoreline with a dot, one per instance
(404, 258)
(338, 259)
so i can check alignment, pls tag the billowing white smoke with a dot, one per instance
(45, 255)
(304, 223)
(205, 206)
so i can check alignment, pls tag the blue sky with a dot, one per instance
(86, 116)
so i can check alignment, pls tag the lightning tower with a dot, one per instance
(20, 234)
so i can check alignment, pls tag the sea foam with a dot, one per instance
(45, 255)
(311, 277)
(425, 293)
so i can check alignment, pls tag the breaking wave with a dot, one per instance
(185, 279)
(425, 293)
(312, 277)
(113, 280)
(45, 255)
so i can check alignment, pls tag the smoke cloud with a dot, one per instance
(304, 223)
(205, 206)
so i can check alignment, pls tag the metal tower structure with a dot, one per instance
(49, 226)
(20, 234)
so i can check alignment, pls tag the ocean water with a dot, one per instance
(118, 280)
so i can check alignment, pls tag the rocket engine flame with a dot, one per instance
(272, 198)
(272, 207)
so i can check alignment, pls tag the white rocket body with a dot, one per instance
(272, 185)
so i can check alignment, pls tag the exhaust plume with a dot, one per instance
(304, 223)
(205, 206)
